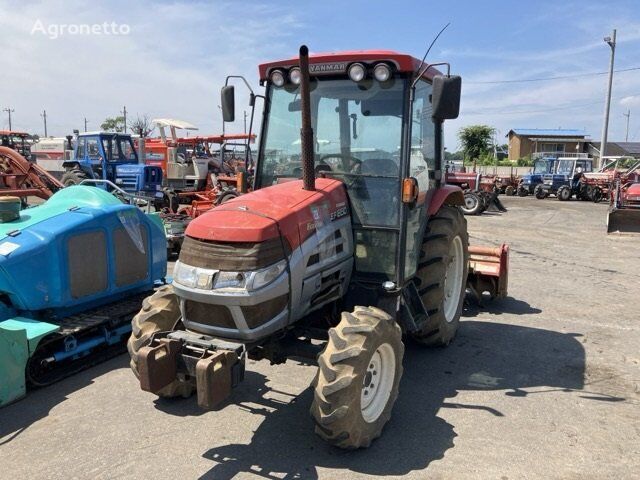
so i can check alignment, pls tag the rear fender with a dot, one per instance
(445, 195)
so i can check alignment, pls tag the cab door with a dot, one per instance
(421, 166)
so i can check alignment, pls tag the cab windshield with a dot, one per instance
(542, 166)
(357, 136)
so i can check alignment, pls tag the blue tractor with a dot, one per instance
(565, 179)
(528, 182)
(111, 157)
(73, 272)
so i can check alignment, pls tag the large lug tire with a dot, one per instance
(522, 191)
(160, 313)
(509, 191)
(564, 193)
(539, 192)
(358, 376)
(73, 177)
(442, 276)
(472, 204)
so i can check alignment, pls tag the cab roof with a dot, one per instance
(14, 133)
(341, 60)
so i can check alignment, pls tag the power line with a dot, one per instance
(558, 77)
(563, 107)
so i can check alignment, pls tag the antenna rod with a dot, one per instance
(420, 73)
(306, 132)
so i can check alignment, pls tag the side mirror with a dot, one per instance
(445, 99)
(228, 103)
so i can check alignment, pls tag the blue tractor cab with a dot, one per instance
(111, 157)
(564, 175)
(542, 166)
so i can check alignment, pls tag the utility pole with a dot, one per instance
(85, 124)
(626, 135)
(44, 117)
(9, 111)
(124, 113)
(611, 41)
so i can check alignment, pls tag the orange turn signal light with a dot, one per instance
(409, 190)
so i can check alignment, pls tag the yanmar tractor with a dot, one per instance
(335, 267)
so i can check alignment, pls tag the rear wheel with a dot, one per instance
(358, 377)
(74, 176)
(160, 313)
(442, 275)
(472, 204)
(597, 195)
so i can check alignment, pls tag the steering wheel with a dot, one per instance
(353, 162)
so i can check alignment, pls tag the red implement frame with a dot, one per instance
(488, 271)
(22, 178)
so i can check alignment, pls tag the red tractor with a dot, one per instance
(335, 264)
(480, 191)
(602, 184)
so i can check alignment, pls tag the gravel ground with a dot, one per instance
(543, 384)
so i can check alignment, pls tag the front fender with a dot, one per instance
(445, 195)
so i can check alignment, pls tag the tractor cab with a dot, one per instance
(19, 141)
(101, 157)
(374, 130)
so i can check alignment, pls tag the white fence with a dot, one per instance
(501, 171)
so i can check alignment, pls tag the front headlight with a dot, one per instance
(264, 277)
(185, 274)
(193, 277)
(207, 279)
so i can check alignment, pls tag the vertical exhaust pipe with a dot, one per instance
(306, 132)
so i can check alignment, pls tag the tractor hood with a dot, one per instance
(265, 214)
(82, 247)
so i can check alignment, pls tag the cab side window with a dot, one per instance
(81, 147)
(422, 159)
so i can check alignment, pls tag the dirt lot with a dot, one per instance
(545, 384)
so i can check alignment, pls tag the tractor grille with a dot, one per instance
(257, 315)
(232, 256)
(128, 182)
(207, 314)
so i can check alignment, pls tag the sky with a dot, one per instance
(170, 58)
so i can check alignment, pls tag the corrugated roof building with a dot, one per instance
(535, 142)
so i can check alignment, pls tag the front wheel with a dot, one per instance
(509, 191)
(358, 377)
(442, 276)
(563, 193)
(160, 313)
(540, 193)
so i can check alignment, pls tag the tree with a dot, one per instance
(476, 140)
(113, 124)
(142, 125)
